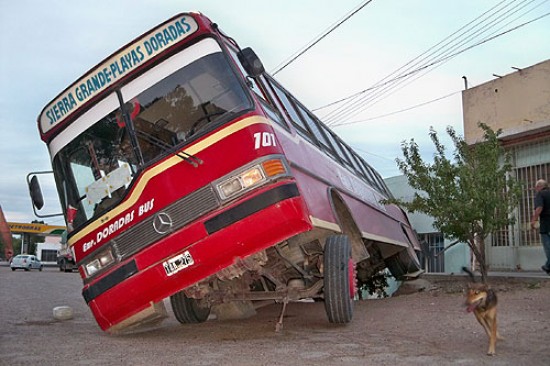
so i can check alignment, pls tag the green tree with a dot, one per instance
(16, 242)
(469, 196)
(17, 245)
(1, 248)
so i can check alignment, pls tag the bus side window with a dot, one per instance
(382, 188)
(355, 163)
(364, 172)
(291, 112)
(368, 171)
(272, 113)
(314, 127)
(349, 153)
(338, 145)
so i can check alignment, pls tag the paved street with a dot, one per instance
(423, 328)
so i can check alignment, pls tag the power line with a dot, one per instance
(320, 37)
(373, 97)
(444, 60)
(401, 110)
(360, 98)
(466, 33)
(444, 51)
(383, 81)
(370, 153)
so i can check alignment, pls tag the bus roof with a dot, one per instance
(115, 67)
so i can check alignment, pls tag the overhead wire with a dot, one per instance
(448, 95)
(443, 52)
(439, 62)
(316, 40)
(406, 67)
(356, 148)
(428, 68)
(359, 104)
(401, 110)
(361, 101)
(383, 81)
(391, 88)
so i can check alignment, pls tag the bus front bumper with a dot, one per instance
(133, 293)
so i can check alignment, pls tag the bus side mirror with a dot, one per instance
(36, 192)
(37, 198)
(251, 62)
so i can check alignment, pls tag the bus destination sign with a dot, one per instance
(114, 68)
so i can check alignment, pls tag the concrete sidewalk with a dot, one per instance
(510, 274)
(520, 274)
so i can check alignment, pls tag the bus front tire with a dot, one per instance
(188, 310)
(339, 279)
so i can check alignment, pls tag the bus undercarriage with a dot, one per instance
(297, 269)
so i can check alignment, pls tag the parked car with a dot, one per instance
(26, 262)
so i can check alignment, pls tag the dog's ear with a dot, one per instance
(491, 296)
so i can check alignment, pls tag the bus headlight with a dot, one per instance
(241, 182)
(250, 177)
(100, 261)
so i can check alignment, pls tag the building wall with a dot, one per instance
(400, 188)
(50, 244)
(518, 103)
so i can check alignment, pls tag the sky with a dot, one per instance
(45, 46)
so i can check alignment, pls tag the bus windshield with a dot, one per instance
(168, 106)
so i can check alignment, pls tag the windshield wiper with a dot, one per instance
(129, 124)
(133, 133)
(191, 159)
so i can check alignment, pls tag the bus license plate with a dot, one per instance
(179, 262)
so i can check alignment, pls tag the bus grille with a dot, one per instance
(181, 212)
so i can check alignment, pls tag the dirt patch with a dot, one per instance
(523, 319)
(424, 324)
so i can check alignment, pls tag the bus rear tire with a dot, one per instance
(188, 310)
(339, 279)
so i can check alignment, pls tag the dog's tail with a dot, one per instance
(469, 273)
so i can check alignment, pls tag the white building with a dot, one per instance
(47, 251)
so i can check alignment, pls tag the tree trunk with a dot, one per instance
(482, 261)
(478, 248)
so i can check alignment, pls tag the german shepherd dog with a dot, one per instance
(483, 302)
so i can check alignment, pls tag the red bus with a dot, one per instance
(186, 172)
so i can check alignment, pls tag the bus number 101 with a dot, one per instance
(264, 139)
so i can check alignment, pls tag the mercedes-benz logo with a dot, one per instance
(162, 223)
